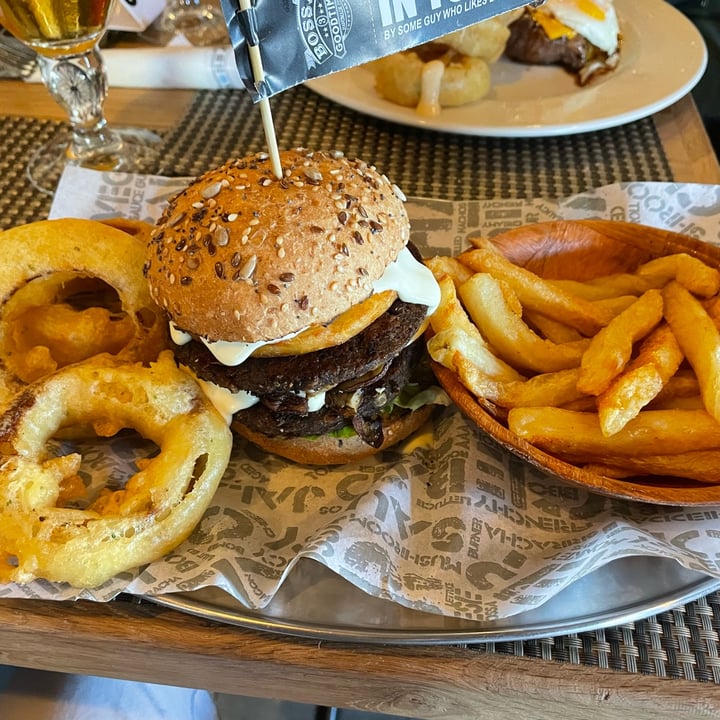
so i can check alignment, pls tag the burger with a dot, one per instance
(298, 303)
(583, 36)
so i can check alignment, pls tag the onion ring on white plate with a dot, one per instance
(399, 78)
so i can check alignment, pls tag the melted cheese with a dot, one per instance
(413, 282)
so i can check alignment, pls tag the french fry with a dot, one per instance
(511, 299)
(614, 305)
(454, 333)
(657, 361)
(607, 286)
(540, 390)
(681, 386)
(508, 334)
(592, 371)
(450, 344)
(538, 294)
(611, 347)
(450, 313)
(691, 272)
(550, 328)
(626, 397)
(445, 265)
(577, 436)
(699, 339)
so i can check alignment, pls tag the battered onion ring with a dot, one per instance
(340, 330)
(409, 77)
(41, 258)
(159, 506)
(139, 229)
(486, 39)
(398, 78)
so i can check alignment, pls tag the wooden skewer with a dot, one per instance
(264, 103)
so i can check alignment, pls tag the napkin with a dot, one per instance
(172, 66)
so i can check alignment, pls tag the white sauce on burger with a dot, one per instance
(227, 403)
(413, 282)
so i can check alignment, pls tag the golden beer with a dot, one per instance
(65, 35)
(47, 24)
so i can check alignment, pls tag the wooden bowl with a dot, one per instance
(580, 250)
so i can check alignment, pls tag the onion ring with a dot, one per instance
(486, 39)
(139, 229)
(43, 260)
(122, 529)
(338, 331)
(450, 71)
(398, 78)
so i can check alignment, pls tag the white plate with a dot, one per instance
(662, 58)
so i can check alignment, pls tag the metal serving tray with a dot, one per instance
(316, 603)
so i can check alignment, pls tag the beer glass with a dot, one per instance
(65, 35)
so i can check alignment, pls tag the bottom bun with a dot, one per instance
(330, 450)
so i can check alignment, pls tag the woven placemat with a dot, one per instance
(19, 201)
(680, 643)
(224, 124)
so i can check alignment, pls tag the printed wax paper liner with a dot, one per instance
(448, 523)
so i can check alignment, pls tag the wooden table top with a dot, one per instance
(145, 642)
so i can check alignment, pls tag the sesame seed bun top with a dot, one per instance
(241, 255)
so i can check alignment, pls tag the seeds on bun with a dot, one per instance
(245, 256)
(297, 302)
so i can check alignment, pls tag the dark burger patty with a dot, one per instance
(273, 417)
(375, 345)
(529, 43)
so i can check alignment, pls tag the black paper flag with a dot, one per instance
(304, 39)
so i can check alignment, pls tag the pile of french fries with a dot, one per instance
(619, 375)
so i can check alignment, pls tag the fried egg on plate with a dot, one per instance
(596, 20)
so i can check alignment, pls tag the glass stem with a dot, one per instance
(78, 83)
